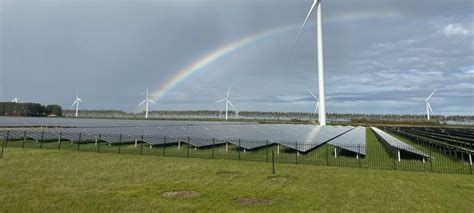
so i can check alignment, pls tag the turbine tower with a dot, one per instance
(317, 101)
(147, 101)
(429, 110)
(15, 100)
(76, 102)
(319, 28)
(227, 102)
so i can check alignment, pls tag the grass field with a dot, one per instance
(36, 180)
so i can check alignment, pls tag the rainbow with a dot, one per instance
(213, 56)
(220, 52)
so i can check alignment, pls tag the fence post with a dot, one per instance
(24, 139)
(41, 142)
(79, 142)
(240, 149)
(431, 161)
(296, 153)
(187, 148)
(98, 144)
(358, 158)
(267, 150)
(141, 148)
(120, 143)
(273, 161)
(327, 154)
(3, 147)
(394, 164)
(6, 139)
(470, 159)
(164, 146)
(213, 143)
(59, 140)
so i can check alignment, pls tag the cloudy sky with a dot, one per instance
(379, 54)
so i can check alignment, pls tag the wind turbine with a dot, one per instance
(317, 101)
(147, 101)
(15, 100)
(227, 102)
(428, 106)
(76, 102)
(322, 99)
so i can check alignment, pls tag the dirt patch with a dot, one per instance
(252, 201)
(230, 173)
(182, 194)
(278, 179)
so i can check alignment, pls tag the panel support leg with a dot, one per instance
(399, 159)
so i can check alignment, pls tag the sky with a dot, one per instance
(380, 56)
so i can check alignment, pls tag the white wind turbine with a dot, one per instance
(15, 100)
(76, 102)
(322, 99)
(227, 102)
(147, 101)
(429, 110)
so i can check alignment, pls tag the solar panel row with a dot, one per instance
(396, 144)
(299, 137)
(354, 140)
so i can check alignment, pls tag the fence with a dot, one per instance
(373, 155)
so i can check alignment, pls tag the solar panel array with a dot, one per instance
(246, 135)
(302, 138)
(396, 143)
(354, 141)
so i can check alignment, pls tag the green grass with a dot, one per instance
(36, 180)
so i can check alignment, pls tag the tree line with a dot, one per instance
(261, 115)
(29, 109)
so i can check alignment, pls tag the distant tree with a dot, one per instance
(54, 110)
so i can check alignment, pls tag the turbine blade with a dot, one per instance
(141, 103)
(151, 101)
(429, 107)
(317, 107)
(312, 94)
(228, 92)
(301, 30)
(429, 97)
(73, 104)
(219, 101)
(228, 101)
(78, 99)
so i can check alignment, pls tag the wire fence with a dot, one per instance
(375, 154)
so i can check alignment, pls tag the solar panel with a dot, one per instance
(354, 140)
(397, 144)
